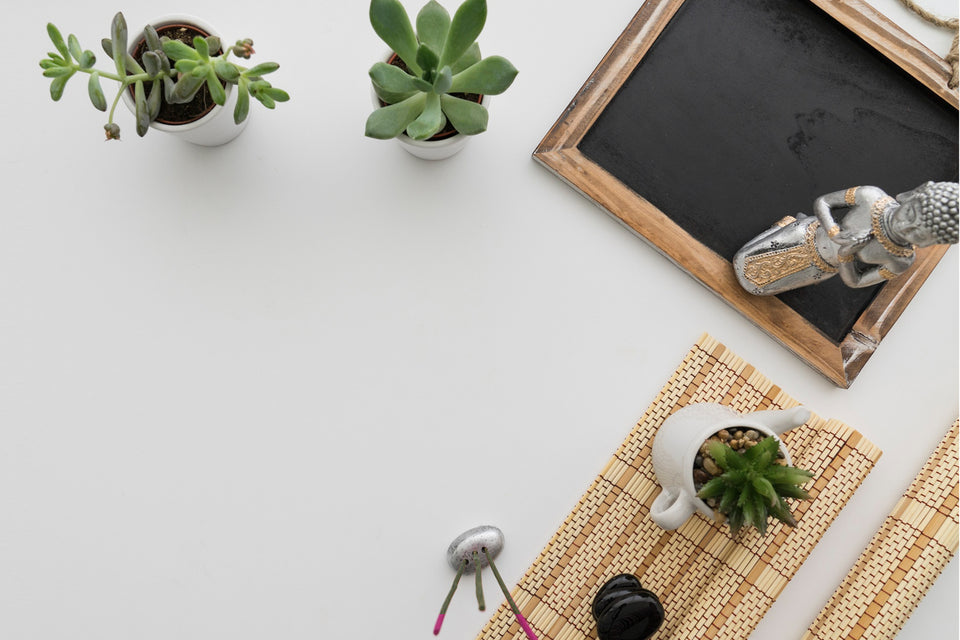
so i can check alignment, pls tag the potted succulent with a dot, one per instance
(175, 77)
(709, 458)
(430, 90)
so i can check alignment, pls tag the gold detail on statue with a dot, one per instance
(876, 224)
(845, 259)
(764, 268)
(785, 220)
(885, 273)
(850, 196)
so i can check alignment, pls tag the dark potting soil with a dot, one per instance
(448, 129)
(202, 102)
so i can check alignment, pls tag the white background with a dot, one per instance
(253, 392)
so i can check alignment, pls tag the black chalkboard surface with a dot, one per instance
(710, 120)
(744, 111)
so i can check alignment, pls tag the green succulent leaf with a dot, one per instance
(226, 70)
(763, 487)
(186, 66)
(152, 38)
(443, 81)
(58, 42)
(467, 117)
(132, 65)
(216, 89)
(153, 99)
(713, 488)
(185, 88)
(264, 98)
(391, 22)
(390, 121)
(118, 43)
(490, 76)
(151, 63)
(430, 120)
(73, 45)
(428, 61)
(107, 45)
(57, 85)
(276, 94)
(142, 111)
(201, 47)
(466, 25)
(58, 72)
(95, 91)
(46, 63)
(177, 50)
(391, 80)
(242, 108)
(213, 44)
(261, 69)
(433, 23)
(87, 59)
(470, 57)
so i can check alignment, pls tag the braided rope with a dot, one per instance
(952, 58)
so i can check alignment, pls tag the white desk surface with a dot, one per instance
(262, 409)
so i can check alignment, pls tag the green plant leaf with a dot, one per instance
(152, 38)
(118, 43)
(430, 120)
(226, 70)
(87, 59)
(490, 76)
(47, 63)
(56, 87)
(428, 61)
(177, 50)
(58, 42)
(470, 57)
(73, 45)
(389, 79)
(242, 108)
(201, 47)
(95, 91)
(107, 45)
(261, 69)
(216, 89)
(469, 118)
(264, 98)
(213, 44)
(132, 65)
(186, 66)
(58, 72)
(433, 23)
(142, 111)
(713, 488)
(185, 88)
(763, 487)
(390, 121)
(277, 94)
(153, 99)
(151, 63)
(391, 22)
(466, 25)
(443, 81)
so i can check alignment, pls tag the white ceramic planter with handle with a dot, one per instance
(216, 127)
(677, 444)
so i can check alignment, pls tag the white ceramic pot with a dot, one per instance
(216, 127)
(430, 149)
(678, 442)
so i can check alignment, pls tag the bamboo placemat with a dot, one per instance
(903, 560)
(710, 585)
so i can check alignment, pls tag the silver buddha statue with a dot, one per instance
(875, 239)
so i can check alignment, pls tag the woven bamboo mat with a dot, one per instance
(906, 555)
(710, 585)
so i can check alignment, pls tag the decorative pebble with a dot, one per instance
(711, 467)
(624, 610)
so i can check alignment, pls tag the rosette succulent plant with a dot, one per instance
(753, 485)
(171, 71)
(441, 62)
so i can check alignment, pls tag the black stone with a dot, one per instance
(624, 610)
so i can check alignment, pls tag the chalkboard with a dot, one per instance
(709, 121)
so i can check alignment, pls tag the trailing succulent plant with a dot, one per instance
(441, 58)
(171, 69)
(753, 485)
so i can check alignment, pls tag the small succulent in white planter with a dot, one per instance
(158, 71)
(435, 75)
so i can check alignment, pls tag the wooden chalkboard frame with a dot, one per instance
(559, 151)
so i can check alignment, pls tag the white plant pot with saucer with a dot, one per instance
(216, 127)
